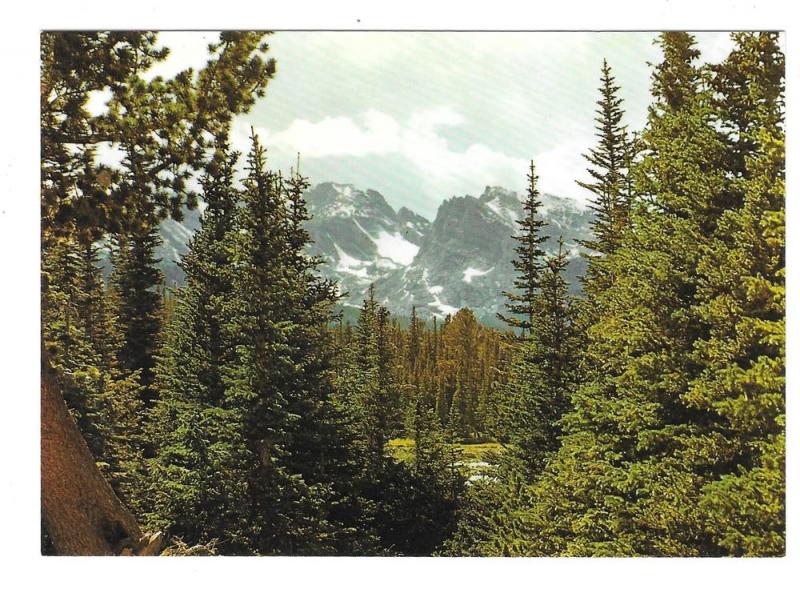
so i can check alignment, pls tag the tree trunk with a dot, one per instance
(82, 514)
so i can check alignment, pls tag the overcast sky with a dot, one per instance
(421, 117)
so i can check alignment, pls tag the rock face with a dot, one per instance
(462, 262)
(465, 258)
(461, 259)
(360, 236)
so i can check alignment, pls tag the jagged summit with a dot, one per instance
(461, 259)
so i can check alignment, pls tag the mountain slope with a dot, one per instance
(461, 259)
(360, 236)
(465, 259)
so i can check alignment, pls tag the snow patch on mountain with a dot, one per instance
(349, 264)
(394, 247)
(471, 272)
(506, 214)
(345, 191)
(444, 308)
(435, 291)
(391, 246)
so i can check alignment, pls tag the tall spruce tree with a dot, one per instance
(628, 477)
(533, 399)
(280, 382)
(528, 261)
(542, 374)
(199, 488)
(65, 339)
(355, 387)
(117, 426)
(103, 398)
(136, 281)
(322, 449)
(374, 359)
(609, 164)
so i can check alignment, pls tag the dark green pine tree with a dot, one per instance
(360, 391)
(374, 360)
(66, 342)
(436, 483)
(199, 474)
(355, 384)
(322, 449)
(609, 164)
(280, 381)
(286, 512)
(537, 391)
(409, 507)
(103, 398)
(356, 375)
(528, 263)
(95, 305)
(136, 280)
(118, 419)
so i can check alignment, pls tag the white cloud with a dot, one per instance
(419, 141)
(361, 107)
(424, 146)
(341, 136)
(559, 167)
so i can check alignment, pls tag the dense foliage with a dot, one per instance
(644, 418)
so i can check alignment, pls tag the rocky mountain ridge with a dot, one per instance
(460, 259)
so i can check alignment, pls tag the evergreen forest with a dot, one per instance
(242, 414)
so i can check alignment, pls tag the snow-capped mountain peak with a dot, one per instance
(461, 259)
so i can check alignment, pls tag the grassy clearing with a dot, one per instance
(480, 451)
(403, 450)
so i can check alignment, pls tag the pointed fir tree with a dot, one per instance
(199, 489)
(322, 451)
(119, 420)
(65, 339)
(527, 262)
(136, 281)
(541, 376)
(280, 381)
(103, 398)
(609, 166)
(628, 477)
